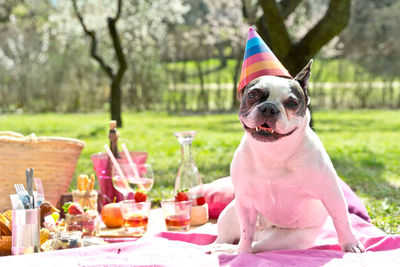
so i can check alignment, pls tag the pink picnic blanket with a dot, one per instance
(381, 249)
(190, 249)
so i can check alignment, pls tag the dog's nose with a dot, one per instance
(269, 109)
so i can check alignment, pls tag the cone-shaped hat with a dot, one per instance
(259, 60)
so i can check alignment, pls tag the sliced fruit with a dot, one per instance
(75, 208)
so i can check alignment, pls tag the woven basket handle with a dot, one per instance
(11, 134)
(32, 138)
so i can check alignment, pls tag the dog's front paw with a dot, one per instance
(354, 247)
(222, 249)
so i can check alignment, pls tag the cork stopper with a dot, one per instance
(113, 125)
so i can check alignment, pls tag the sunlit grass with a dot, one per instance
(364, 147)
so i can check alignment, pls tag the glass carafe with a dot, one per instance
(188, 174)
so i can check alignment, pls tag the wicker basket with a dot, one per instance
(53, 159)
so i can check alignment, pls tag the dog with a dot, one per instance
(284, 181)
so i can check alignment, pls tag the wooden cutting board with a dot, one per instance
(156, 225)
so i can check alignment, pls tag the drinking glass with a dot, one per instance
(176, 214)
(121, 184)
(135, 216)
(146, 180)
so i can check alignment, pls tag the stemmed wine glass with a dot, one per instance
(145, 180)
(121, 184)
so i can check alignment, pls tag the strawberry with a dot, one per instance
(181, 196)
(140, 196)
(200, 201)
(75, 208)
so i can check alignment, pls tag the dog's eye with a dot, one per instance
(252, 95)
(291, 104)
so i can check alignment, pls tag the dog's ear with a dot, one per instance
(239, 95)
(302, 78)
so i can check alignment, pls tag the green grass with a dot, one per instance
(364, 147)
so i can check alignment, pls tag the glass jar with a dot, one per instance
(87, 223)
(86, 199)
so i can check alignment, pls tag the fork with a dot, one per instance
(40, 191)
(23, 195)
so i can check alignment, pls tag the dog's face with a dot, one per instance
(272, 107)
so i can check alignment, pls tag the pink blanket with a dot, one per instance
(184, 249)
(189, 249)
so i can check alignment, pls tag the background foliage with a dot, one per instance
(183, 55)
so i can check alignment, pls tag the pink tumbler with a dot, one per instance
(102, 165)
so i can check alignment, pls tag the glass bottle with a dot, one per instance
(188, 174)
(113, 136)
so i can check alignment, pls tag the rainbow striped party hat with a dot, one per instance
(259, 61)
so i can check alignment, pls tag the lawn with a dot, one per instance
(364, 147)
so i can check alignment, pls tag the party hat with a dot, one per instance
(259, 61)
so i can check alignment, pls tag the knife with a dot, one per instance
(29, 186)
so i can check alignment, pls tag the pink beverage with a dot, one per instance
(135, 216)
(177, 222)
(176, 214)
(136, 221)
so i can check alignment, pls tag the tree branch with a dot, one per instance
(118, 10)
(288, 6)
(335, 20)
(275, 33)
(93, 47)
(117, 42)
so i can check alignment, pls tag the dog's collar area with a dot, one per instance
(265, 133)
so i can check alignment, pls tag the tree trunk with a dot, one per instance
(295, 55)
(115, 77)
(115, 101)
(202, 101)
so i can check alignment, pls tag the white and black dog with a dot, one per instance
(284, 181)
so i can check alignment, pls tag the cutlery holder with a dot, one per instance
(25, 231)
